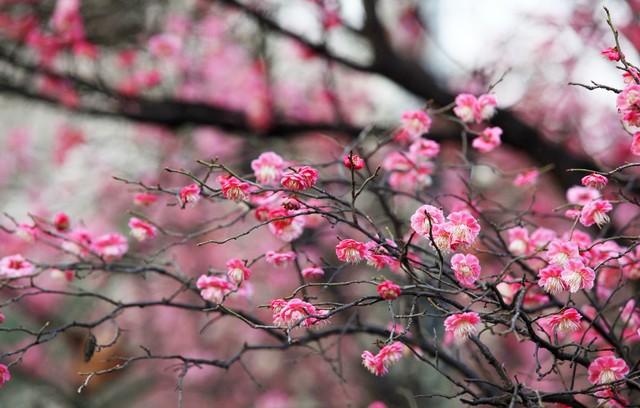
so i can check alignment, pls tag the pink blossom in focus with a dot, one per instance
(189, 195)
(423, 217)
(577, 276)
(488, 140)
(388, 290)
(565, 321)
(237, 271)
(550, 279)
(466, 268)
(559, 252)
(300, 179)
(233, 188)
(595, 212)
(462, 325)
(465, 107)
(351, 251)
(213, 288)
(607, 369)
(295, 312)
(378, 364)
(463, 229)
(470, 109)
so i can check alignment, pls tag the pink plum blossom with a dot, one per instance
(351, 251)
(268, 168)
(577, 276)
(110, 247)
(388, 290)
(142, 230)
(466, 269)
(462, 325)
(488, 139)
(279, 258)
(213, 288)
(15, 266)
(607, 369)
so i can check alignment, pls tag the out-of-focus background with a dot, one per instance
(79, 105)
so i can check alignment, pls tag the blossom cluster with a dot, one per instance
(411, 168)
(296, 313)
(379, 363)
(470, 109)
(457, 232)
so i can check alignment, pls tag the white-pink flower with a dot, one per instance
(470, 109)
(189, 194)
(550, 279)
(424, 217)
(465, 107)
(463, 229)
(295, 312)
(268, 168)
(141, 230)
(213, 288)
(560, 251)
(607, 369)
(237, 271)
(15, 266)
(564, 322)
(466, 269)
(414, 124)
(595, 212)
(462, 325)
(351, 251)
(577, 276)
(378, 364)
(594, 180)
(110, 246)
(488, 139)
